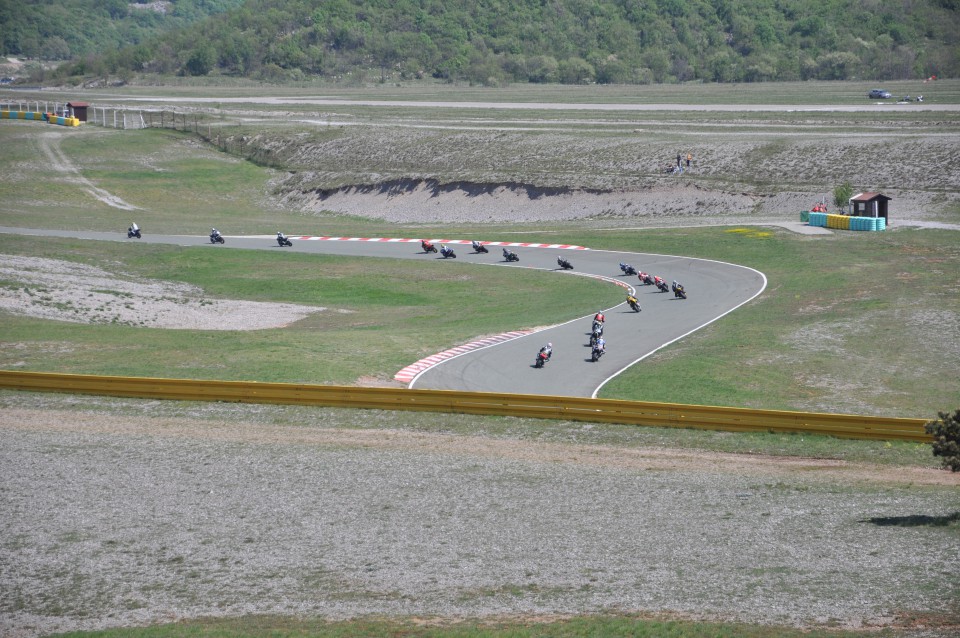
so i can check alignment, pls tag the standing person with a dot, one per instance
(678, 160)
(689, 159)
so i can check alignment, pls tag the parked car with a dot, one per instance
(879, 94)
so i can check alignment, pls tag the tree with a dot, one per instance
(842, 195)
(946, 439)
(201, 61)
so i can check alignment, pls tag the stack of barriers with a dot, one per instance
(845, 222)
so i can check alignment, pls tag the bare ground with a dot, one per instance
(115, 520)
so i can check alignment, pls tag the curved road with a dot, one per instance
(714, 289)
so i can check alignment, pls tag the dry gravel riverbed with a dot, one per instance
(113, 519)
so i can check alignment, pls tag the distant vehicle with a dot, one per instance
(879, 94)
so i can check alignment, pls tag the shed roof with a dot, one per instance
(76, 104)
(869, 197)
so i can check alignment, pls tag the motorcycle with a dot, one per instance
(283, 241)
(563, 263)
(447, 252)
(679, 292)
(627, 269)
(133, 232)
(596, 334)
(478, 247)
(427, 246)
(510, 255)
(634, 304)
(662, 285)
(217, 238)
(597, 352)
(646, 279)
(542, 357)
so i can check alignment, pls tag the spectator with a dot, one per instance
(689, 159)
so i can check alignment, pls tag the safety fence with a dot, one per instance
(51, 118)
(484, 403)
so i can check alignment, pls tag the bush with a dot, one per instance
(946, 439)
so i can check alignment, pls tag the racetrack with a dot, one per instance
(714, 289)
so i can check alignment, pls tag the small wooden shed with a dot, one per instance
(79, 110)
(869, 205)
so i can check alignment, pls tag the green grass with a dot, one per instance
(585, 627)
(862, 323)
(383, 313)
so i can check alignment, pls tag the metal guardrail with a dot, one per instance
(519, 405)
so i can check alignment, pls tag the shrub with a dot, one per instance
(842, 195)
(946, 439)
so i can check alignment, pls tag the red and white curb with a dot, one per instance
(399, 240)
(411, 371)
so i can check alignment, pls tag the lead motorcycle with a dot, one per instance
(283, 241)
(627, 269)
(563, 263)
(427, 246)
(217, 238)
(478, 247)
(509, 255)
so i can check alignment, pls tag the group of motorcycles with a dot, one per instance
(448, 253)
(653, 280)
(133, 231)
(479, 249)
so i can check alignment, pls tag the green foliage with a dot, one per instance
(74, 28)
(946, 439)
(842, 195)
(568, 41)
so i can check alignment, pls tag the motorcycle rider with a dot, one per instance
(214, 232)
(601, 345)
(507, 254)
(445, 251)
(599, 318)
(281, 237)
(476, 245)
(632, 300)
(134, 228)
(547, 350)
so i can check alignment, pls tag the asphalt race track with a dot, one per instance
(713, 288)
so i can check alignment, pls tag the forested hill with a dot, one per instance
(569, 41)
(62, 29)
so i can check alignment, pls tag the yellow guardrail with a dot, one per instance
(519, 405)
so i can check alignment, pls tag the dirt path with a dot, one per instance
(49, 144)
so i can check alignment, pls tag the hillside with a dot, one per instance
(566, 41)
(69, 29)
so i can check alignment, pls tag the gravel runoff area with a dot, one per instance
(124, 512)
(68, 291)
